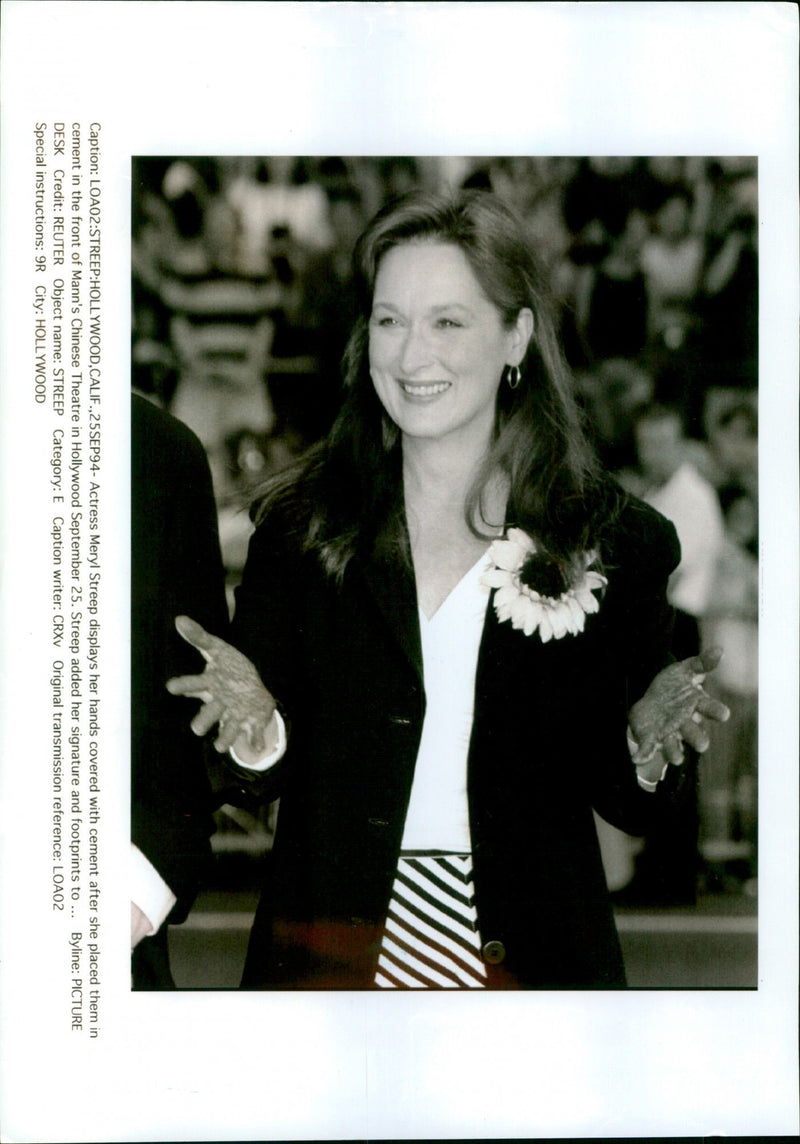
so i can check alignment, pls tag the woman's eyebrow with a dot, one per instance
(464, 309)
(437, 309)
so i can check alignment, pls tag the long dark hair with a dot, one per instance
(346, 495)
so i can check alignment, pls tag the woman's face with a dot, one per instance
(437, 345)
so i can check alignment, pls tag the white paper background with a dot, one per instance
(440, 78)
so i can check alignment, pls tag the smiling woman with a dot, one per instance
(436, 365)
(425, 669)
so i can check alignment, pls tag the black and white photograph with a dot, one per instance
(399, 505)
(432, 590)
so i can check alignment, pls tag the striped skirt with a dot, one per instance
(431, 938)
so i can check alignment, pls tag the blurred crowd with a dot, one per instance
(243, 300)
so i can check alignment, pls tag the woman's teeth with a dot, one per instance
(425, 390)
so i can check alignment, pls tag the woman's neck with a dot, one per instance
(436, 483)
(437, 480)
(434, 473)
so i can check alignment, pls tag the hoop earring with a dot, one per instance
(514, 376)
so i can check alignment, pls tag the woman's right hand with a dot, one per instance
(232, 693)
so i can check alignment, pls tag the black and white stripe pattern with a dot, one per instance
(431, 940)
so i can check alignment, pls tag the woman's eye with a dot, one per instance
(448, 324)
(385, 321)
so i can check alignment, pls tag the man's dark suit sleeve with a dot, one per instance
(176, 569)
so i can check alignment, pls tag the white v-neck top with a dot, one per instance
(438, 814)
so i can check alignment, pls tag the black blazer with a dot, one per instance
(548, 744)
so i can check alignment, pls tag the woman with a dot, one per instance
(459, 617)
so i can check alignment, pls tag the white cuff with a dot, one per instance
(149, 891)
(277, 753)
(645, 784)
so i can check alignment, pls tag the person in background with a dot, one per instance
(175, 565)
(612, 394)
(451, 642)
(329, 307)
(667, 868)
(728, 793)
(668, 480)
(672, 261)
(732, 459)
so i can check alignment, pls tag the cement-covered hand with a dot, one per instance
(232, 693)
(675, 710)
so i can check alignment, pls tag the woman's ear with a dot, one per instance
(521, 335)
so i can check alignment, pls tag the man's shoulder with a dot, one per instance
(159, 439)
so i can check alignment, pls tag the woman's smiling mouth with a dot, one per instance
(424, 389)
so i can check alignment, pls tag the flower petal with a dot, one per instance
(520, 610)
(507, 555)
(545, 627)
(594, 580)
(496, 578)
(577, 614)
(506, 596)
(503, 612)
(558, 617)
(587, 601)
(533, 618)
(517, 536)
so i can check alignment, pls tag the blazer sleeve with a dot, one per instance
(269, 627)
(639, 621)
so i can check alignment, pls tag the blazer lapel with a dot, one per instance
(391, 585)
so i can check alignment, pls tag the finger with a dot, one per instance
(696, 735)
(207, 716)
(195, 686)
(196, 635)
(713, 709)
(673, 750)
(645, 751)
(704, 662)
(639, 743)
(229, 732)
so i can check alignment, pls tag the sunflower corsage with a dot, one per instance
(533, 593)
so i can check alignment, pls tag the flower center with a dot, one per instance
(543, 575)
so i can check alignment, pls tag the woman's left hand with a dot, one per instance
(675, 709)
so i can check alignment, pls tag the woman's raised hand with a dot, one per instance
(675, 709)
(232, 693)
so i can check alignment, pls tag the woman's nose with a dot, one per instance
(416, 352)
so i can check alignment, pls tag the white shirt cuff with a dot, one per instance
(277, 753)
(645, 784)
(149, 891)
